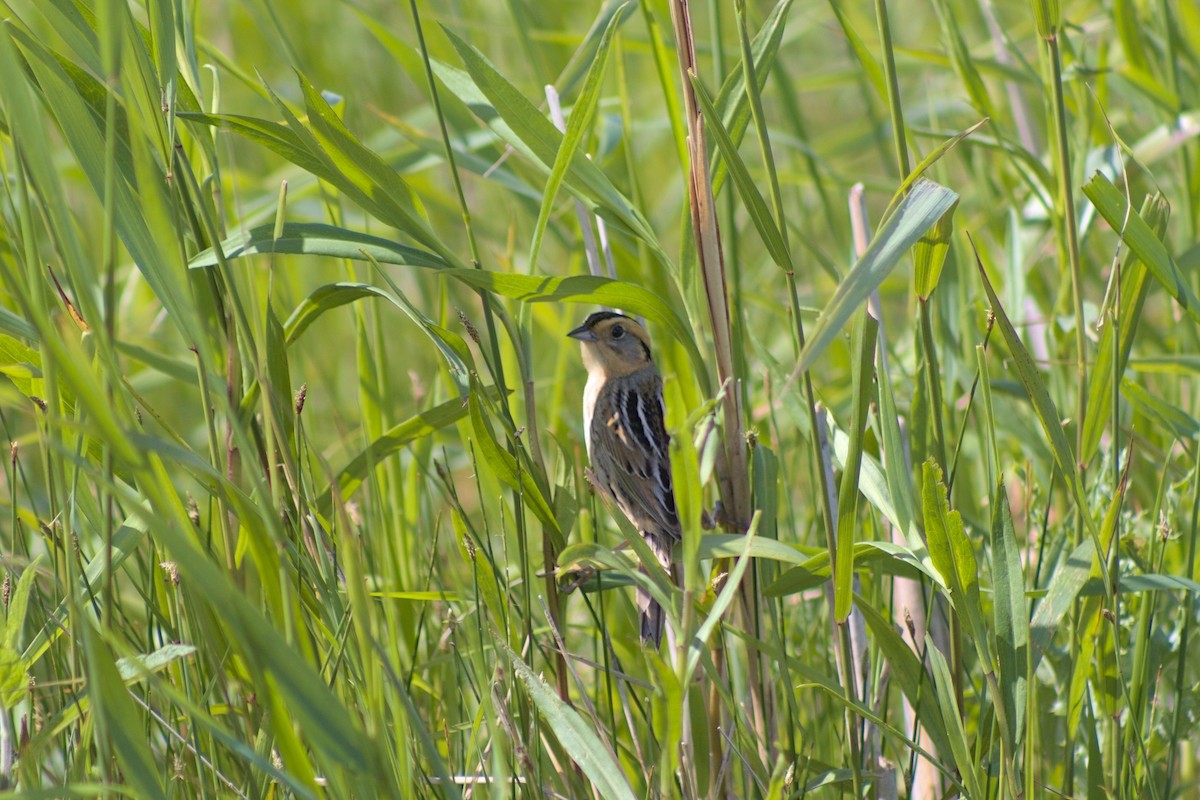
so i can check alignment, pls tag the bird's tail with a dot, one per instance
(650, 613)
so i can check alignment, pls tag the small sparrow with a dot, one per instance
(627, 442)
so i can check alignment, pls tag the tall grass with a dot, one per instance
(296, 502)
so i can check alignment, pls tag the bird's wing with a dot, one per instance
(637, 446)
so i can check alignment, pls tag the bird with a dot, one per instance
(627, 440)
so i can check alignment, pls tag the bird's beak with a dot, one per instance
(583, 334)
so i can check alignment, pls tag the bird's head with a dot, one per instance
(613, 344)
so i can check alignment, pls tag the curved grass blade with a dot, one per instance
(1142, 240)
(865, 336)
(394, 439)
(1043, 407)
(495, 100)
(577, 127)
(576, 736)
(1133, 290)
(923, 206)
(317, 239)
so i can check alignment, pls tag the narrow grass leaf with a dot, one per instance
(1173, 420)
(923, 206)
(119, 718)
(399, 436)
(747, 187)
(576, 736)
(728, 545)
(527, 126)
(507, 469)
(316, 239)
(733, 99)
(1043, 405)
(724, 598)
(960, 57)
(592, 290)
(913, 679)
(960, 750)
(898, 473)
(885, 557)
(578, 125)
(863, 343)
(1141, 238)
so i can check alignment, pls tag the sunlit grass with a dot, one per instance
(296, 501)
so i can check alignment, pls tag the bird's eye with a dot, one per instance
(617, 331)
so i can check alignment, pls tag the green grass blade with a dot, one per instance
(537, 136)
(863, 343)
(1142, 240)
(577, 737)
(1010, 614)
(578, 126)
(119, 719)
(314, 238)
(916, 214)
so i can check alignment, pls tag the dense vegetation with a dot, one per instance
(296, 505)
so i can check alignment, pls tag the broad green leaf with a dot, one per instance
(134, 668)
(18, 603)
(923, 206)
(1047, 14)
(14, 678)
(1010, 614)
(728, 545)
(1133, 290)
(929, 254)
(17, 326)
(1142, 240)
(1068, 578)
(577, 737)
(1172, 419)
(1157, 583)
(953, 555)
(355, 164)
